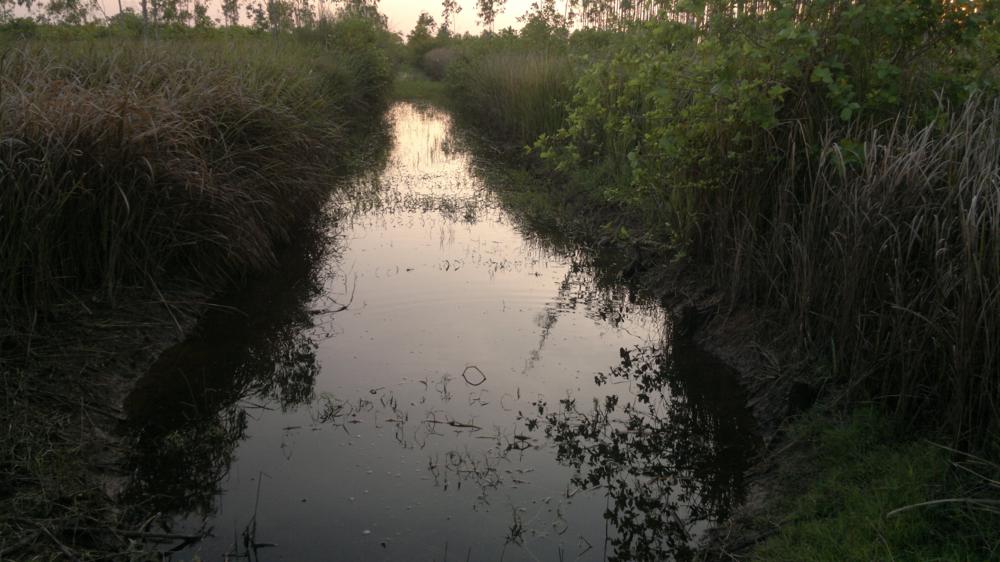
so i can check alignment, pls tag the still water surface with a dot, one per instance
(426, 379)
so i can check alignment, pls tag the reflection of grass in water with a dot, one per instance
(454, 467)
(515, 534)
(669, 453)
(256, 351)
(456, 194)
(42, 439)
(188, 461)
(373, 196)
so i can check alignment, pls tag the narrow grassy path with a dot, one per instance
(850, 488)
(413, 85)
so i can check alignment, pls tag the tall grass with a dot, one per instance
(127, 165)
(516, 95)
(436, 62)
(887, 256)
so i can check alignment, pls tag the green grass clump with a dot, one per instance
(865, 472)
(125, 165)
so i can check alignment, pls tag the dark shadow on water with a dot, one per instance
(251, 351)
(191, 409)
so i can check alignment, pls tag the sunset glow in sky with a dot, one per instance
(402, 14)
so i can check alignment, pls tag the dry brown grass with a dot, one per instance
(124, 167)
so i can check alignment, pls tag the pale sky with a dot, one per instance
(402, 13)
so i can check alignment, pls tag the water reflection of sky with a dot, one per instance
(419, 380)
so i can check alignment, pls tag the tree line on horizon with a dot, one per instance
(270, 15)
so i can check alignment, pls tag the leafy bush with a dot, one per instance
(679, 110)
(829, 158)
(359, 50)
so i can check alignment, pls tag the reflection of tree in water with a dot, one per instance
(670, 452)
(590, 283)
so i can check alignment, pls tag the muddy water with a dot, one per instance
(425, 379)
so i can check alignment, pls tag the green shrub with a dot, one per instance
(517, 85)
(831, 159)
(360, 50)
(827, 160)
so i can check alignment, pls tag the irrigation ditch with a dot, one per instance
(571, 381)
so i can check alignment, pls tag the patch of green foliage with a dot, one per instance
(516, 94)
(515, 86)
(422, 39)
(811, 152)
(834, 161)
(679, 110)
(865, 470)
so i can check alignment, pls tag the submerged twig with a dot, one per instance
(478, 370)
